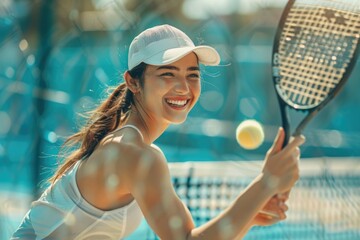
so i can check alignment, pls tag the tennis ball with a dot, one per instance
(250, 134)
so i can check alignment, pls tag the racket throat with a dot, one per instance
(304, 122)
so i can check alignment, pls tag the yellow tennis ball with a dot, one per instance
(250, 134)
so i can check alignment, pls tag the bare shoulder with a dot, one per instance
(134, 160)
(132, 163)
(118, 167)
(147, 160)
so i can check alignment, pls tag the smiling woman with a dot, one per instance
(117, 175)
(176, 87)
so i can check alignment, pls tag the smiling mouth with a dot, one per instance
(177, 103)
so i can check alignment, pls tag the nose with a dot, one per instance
(182, 85)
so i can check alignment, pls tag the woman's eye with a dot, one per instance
(197, 76)
(167, 74)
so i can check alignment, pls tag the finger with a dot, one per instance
(283, 206)
(296, 142)
(287, 194)
(267, 220)
(282, 216)
(274, 199)
(297, 152)
(272, 220)
(281, 211)
(278, 142)
(283, 196)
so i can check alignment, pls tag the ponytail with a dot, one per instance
(104, 119)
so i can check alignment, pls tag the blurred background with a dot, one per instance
(59, 57)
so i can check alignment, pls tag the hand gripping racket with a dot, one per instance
(315, 49)
(314, 52)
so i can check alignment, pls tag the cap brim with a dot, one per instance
(206, 55)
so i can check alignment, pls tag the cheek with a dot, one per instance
(159, 86)
(197, 90)
(153, 93)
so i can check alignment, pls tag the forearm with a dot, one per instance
(245, 230)
(236, 220)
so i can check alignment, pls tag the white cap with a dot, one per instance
(165, 44)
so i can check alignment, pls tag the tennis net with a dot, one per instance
(324, 204)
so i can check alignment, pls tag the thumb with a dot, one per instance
(278, 142)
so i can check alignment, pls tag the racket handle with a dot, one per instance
(285, 122)
(286, 140)
(286, 127)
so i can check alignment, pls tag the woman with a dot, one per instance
(117, 175)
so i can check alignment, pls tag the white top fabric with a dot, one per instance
(62, 213)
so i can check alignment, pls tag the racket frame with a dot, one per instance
(283, 104)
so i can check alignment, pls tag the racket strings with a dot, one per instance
(315, 49)
(314, 85)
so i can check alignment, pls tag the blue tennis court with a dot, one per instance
(58, 59)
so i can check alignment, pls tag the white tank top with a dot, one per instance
(62, 213)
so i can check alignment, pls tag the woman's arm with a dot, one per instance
(236, 220)
(150, 184)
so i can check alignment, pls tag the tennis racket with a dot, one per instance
(315, 49)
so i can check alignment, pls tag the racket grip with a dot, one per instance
(286, 140)
(285, 124)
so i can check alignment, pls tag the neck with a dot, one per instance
(150, 128)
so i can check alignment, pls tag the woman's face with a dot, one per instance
(171, 91)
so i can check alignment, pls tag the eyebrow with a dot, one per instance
(170, 67)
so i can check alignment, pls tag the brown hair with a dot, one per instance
(105, 118)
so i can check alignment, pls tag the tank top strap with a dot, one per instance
(130, 126)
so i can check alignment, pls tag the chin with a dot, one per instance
(178, 120)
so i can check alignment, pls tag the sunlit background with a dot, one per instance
(57, 59)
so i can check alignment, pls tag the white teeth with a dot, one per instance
(177, 102)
